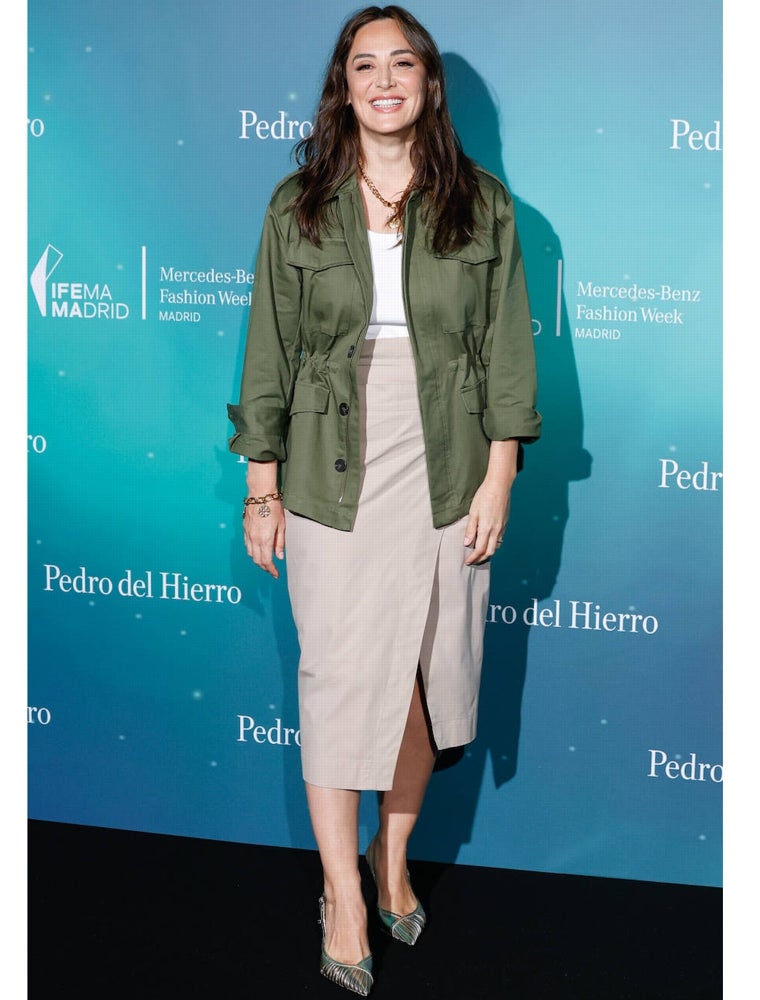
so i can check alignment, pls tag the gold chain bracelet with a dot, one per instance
(262, 503)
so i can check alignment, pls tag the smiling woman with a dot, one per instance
(389, 379)
(387, 85)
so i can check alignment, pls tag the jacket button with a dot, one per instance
(340, 465)
(351, 350)
(343, 409)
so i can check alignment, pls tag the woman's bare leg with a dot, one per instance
(400, 807)
(335, 820)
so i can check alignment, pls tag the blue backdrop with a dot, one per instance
(162, 663)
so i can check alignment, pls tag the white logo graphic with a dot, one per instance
(72, 299)
(45, 266)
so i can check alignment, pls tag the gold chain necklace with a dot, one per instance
(390, 221)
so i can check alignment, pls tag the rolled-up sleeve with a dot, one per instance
(509, 350)
(271, 351)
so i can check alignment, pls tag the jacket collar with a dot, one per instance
(351, 209)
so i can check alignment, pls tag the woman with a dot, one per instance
(389, 378)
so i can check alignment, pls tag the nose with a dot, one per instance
(384, 77)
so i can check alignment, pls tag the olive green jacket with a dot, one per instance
(471, 335)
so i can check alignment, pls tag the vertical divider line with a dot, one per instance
(144, 252)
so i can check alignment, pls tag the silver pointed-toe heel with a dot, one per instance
(405, 928)
(357, 978)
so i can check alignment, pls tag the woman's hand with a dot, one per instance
(489, 513)
(489, 510)
(264, 536)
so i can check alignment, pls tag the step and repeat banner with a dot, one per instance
(162, 662)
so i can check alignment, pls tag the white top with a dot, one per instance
(388, 318)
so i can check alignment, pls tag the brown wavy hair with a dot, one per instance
(443, 173)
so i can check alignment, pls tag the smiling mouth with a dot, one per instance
(387, 102)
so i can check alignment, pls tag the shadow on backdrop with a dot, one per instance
(528, 562)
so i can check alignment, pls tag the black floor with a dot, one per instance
(119, 914)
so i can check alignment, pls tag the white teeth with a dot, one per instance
(388, 103)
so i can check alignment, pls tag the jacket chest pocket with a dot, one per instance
(328, 285)
(463, 280)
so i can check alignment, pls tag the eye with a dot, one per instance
(362, 66)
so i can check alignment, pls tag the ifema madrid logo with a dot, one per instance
(71, 299)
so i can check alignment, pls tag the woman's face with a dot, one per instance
(387, 81)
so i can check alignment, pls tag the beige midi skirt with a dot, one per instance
(372, 604)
